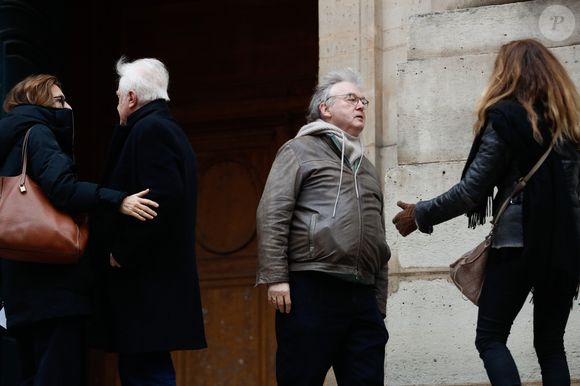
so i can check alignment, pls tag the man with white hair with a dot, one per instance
(153, 301)
(321, 244)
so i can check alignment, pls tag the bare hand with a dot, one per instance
(137, 206)
(405, 220)
(114, 263)
(279, 296)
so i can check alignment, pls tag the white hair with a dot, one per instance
(322, 91)
(147, 78)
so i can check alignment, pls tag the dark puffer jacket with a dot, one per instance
(33, 292)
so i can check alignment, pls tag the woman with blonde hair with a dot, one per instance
(46, 304)
(529, 104)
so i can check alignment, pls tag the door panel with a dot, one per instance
(241, 75)
(241, 343)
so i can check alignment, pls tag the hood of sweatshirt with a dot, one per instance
(351, 148)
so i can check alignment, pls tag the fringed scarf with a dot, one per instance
(551, 232)
(478, 215)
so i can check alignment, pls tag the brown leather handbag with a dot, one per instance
(468, 272)
(31, 228)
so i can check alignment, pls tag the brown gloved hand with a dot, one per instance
(405, 220)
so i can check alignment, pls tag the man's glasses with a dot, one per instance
(351, 99)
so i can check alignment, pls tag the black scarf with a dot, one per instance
(551, 239)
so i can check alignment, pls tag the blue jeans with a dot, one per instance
(504, 292)
(146, 369)
(332, 323)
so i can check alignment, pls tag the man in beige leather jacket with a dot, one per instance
(322, 248)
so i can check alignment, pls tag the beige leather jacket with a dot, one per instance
(295, 224)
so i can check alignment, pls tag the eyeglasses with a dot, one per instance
(60, 99)
(351, 99)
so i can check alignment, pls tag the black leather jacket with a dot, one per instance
(494, 166)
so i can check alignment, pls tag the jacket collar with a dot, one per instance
(60, 121)
(158, 106)
(47, 115)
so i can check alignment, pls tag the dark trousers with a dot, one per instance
(504, 292)
(146, 369)
(9, 361)
(332, 323)
(51, 352)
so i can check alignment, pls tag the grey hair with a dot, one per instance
(147, 78)
(322, 91)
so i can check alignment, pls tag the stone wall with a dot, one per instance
(425, 63)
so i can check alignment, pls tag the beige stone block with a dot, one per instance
(331, 63)
(342, 14)
(432, 331)
(388, 157)
(395, 38)
(436, 103)
(432, 334)
(435, 107)
(412, 183)
(445, 5)
(391, 59)
(484, 29)
(570, 58)
(340, 44)
(395, 13)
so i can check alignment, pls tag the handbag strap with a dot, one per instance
(522, 184)
(22, 181)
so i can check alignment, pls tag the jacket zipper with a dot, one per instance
(360, 235)
(312, 224)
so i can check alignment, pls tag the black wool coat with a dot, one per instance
(35, 292)
(153, 302)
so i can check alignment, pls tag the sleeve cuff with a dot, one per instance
(420, 218)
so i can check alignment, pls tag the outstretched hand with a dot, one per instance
(405, 220)
(137, 206)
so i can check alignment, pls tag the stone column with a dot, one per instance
(350, 36)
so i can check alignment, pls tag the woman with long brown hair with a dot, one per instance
(46, 304)
(529, 103)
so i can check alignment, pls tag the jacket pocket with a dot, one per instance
(509, 230)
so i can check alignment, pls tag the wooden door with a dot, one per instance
(233, 165)
(241, 74)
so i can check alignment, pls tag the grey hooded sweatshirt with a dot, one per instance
(322, 210)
